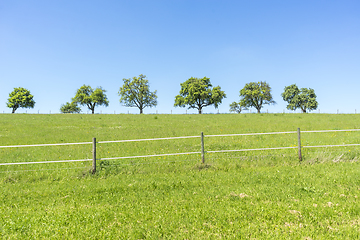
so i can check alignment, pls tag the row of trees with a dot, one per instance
(198, 93)
(195, 93)
(135, 92)
(258, 94)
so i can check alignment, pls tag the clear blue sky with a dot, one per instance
(54, 47)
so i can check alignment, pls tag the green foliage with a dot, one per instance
(236, 107)
(197, 93)
(20, 98)
(304, 98)
(135, 92)
(70, 108)
(85, 95)
(256, 95)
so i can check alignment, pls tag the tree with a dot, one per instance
(70, 108)
(135, 92)
(236, 107)
(198, 93)
(20, 98)
(85, 95)
(304, 98)
(256, 95)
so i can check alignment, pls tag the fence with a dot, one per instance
(194, 111)
(202, 150)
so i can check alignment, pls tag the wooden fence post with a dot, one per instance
(299, 144)
(94, 156)
(202, 148)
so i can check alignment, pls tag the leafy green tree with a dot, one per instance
(256, 94)
(70, 108)
(91, 98)
(20, 98)
(304, 98)
(198, 93)
(236, 107)
(135, 92)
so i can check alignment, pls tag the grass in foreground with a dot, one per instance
(262, 195)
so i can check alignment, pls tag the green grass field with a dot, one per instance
(244, 195)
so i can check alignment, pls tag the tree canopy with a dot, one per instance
(256, 94)
(236, 107)
(91, 98)
(198, 93)
(304, 98)
(135, 92)
(20, 98)
(70, 108)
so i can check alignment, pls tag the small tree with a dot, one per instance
(304, 98)
(198, 93)
(236, 107)
(20, 98)
(70, 108)
(85, 95)
(135, 92)
(256, 94)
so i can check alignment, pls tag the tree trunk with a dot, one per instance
(13, 110)
(200, 110)
(303, 110)
(141, 110)
(259, 110)
(92, 111)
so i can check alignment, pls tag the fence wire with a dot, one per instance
(177, 154)
(171, 138)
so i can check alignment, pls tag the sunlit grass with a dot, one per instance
(256, 194)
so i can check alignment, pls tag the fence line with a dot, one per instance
(84, 143)
(183, 137)
(45, 145)
(176, 154)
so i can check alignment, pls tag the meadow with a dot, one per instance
(243, 195)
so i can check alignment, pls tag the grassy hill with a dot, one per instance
(250, 195)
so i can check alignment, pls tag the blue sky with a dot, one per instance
(54, 47)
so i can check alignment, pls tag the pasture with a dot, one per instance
(241, 195)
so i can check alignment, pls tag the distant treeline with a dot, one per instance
(195, 93)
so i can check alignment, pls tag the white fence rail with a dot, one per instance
(171, 138)
(181, 153)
